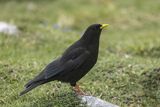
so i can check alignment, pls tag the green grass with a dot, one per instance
(128, 69)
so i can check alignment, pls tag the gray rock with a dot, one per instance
(95, 102)
(8, 29)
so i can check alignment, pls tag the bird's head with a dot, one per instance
(94, 30)
(97, 27)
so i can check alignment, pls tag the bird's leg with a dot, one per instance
(77, 90)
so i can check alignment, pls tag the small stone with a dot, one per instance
(8, 29)
(95, 102)
(127, 56)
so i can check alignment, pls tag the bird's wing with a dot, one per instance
(52, 69)
(67, 63)
(72, 54)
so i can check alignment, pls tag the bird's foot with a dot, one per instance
(78, 91)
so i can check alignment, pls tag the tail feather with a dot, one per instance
(31, 86)
(38, 78)
(29, 83)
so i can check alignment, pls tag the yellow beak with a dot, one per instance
(104, 25)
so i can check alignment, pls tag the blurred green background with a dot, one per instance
(128, 69)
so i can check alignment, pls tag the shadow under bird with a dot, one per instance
(74, 63)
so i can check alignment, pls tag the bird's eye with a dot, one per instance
(98, 27)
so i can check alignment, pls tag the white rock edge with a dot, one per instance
(95, 102)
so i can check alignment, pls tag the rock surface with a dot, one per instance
(8, 29)
(95, 102)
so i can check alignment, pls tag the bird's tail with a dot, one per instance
(31, 85)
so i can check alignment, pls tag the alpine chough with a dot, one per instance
(74, 63)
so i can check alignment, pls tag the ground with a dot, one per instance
(128, 69)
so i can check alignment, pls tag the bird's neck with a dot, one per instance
(91, 42)
(90, 39)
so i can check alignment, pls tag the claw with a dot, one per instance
(78, 91)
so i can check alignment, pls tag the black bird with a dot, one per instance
(75, 62)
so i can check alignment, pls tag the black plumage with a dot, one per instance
(75, 62)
